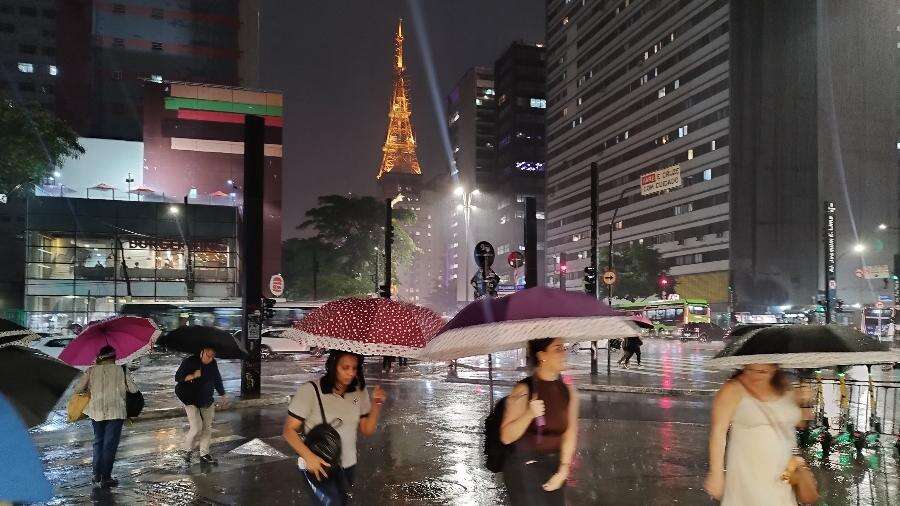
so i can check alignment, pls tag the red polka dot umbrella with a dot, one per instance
(368, 327)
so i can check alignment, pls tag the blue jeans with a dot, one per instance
(334, 490)
(106, 442)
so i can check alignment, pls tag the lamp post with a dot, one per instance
(375, 267)
(467, 207)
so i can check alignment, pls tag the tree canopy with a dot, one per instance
(33, 142)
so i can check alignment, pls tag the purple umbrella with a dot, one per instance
(131, 337)
(490, 325)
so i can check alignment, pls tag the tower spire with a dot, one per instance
(399, 151)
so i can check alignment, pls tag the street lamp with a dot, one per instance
(173, 210)
(859, 247)
(467, 207)
(882, 226)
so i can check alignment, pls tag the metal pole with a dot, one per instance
(388, 241)
(531, 259)
(251, 254)
(595, 182)
(466, 207)
(315, 273)
(612, 222)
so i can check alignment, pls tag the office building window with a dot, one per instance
(156, 78)
(26, 68)
(676, 84)
(52, 70)
(712, 145)
(156, 46)
(707, 174)
(682, 131)
(661, 93)
(541, 103)
(619, 225)
(118, 75)
(690, 154)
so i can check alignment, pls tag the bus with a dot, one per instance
(226, 314)
(878, 322)
(684, 319)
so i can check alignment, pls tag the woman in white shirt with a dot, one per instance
(347, 408)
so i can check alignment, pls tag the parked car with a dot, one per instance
(273, 344)
(51, 343)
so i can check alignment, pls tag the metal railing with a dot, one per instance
(870, 406)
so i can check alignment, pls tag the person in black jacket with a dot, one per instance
(197, 377)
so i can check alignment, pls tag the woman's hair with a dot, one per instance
(105, 353)
(330, 378)
(779, 381)
(535, 346)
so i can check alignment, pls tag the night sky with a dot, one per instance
(332, 60)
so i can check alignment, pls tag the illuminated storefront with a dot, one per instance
(85, 258)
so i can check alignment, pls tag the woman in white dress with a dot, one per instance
(761, 411)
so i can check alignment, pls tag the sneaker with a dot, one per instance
(208, 459)
(110, 483)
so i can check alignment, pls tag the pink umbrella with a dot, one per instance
(131, 337)
(368, 327)
(101, 187)
(218, 193)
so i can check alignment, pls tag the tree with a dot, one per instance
(33, 142)
(313, 271)
(348, 231)
(638, 267)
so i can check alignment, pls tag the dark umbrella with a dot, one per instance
(802, 347)
(22, 478)
(489, 325)
(13, 333)
(33, 382)
(193, 338)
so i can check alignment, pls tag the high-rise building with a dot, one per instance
(30, 72)
(107, 49)
(472, 127)
(757, 108)
(520, 84)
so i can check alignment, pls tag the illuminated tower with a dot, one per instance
(399, 152)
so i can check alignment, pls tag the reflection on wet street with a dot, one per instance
(634, 449)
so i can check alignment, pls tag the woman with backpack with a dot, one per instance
(540, 423)
(329, 413)
(107, 384)
(196, 379)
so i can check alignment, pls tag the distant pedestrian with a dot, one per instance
(541, 423)
(635, 342)
(627, 351)
(342, 397)
(756, 412)
(107, 383)
(197, 378)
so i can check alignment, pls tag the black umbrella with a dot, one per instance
(802, 347)
(13, 333)
(193, 338)
(33, 381)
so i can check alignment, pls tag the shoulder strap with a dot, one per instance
(769, 417)
(321, 407)
(125, 378)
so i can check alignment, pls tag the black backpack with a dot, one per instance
(494, 449)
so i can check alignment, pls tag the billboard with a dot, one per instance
(661, 180)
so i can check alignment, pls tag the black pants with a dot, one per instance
(524, 474)
(106, 443)
(638, 355)
(333, 491)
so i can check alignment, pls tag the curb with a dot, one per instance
(178, 412)
(622, 389)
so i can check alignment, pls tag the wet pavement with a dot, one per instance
(633, 449)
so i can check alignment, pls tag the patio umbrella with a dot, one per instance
(101, 187)
(33, 382)
(218, 194)
(368, 326)
(193, 338)
(13, 333)
(22, 477)
(802, 347)
(490, 325)
(141, 191)
(131, 336)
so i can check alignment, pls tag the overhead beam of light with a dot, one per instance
(437, 100)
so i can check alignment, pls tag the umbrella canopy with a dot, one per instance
(13, 333)
(193, 338)
(372, 326)
(802, 347)
(489, 325)
(33, 382)
(22, 479)
(142, 190)
(131, 336)
(102, 186)
(218, 193)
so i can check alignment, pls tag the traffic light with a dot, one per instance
(268, 307)
(665, 283)
(384, 291)
(590, 280)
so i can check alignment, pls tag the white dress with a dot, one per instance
(757, 453)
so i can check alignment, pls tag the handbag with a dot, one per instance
(797, 474)
(186, 391)
(134, 401)
(323, 440)
(76, 406)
